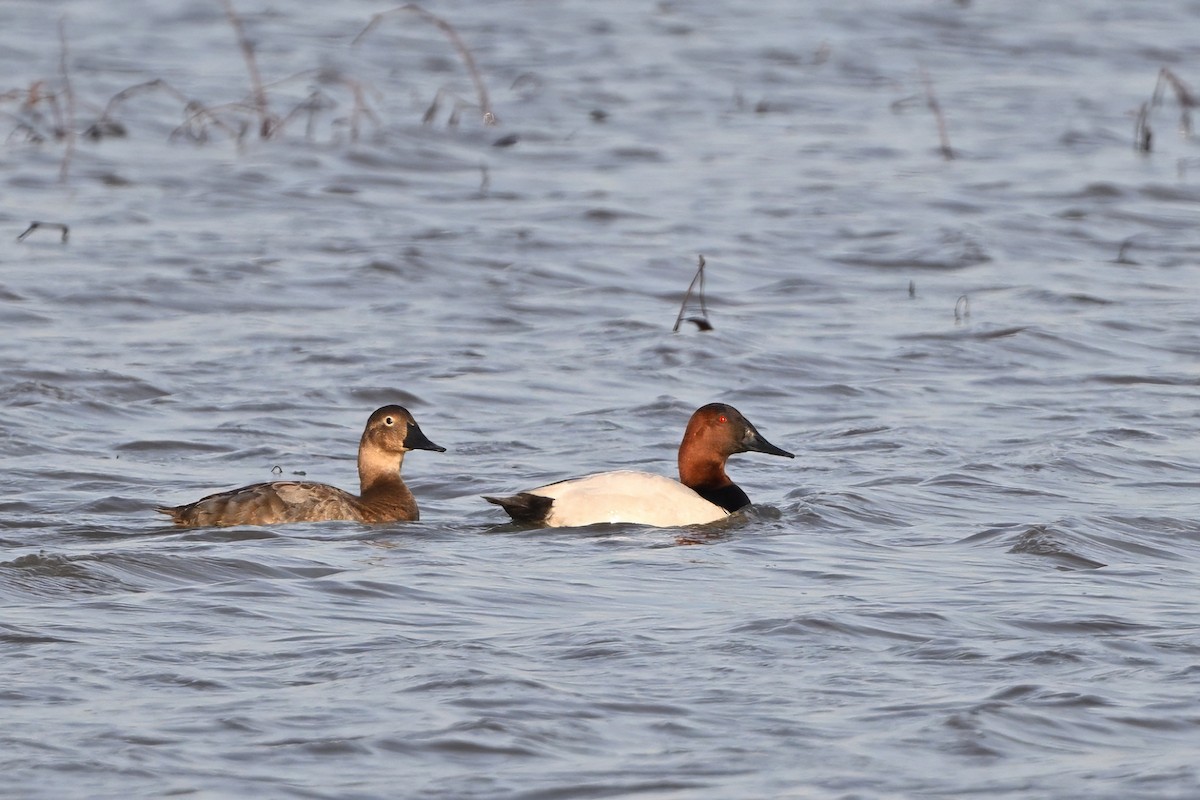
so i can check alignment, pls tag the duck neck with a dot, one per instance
(702, 473)
(378, 472)
(707, 478)
(383, 496)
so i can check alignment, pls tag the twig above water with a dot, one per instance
(962, 308)
(33, 226)
(936, 108)
(1143, 135)
(697, 285)
(1183, 95)
(1123, 253)
(69, 95)
(266, 121)
(106, 124)
(485, 104)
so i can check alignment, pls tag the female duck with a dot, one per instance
(390, 433)
(703, 493)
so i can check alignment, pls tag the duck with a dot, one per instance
(391, 431)
(704, 493)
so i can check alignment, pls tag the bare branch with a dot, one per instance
(697, 284)
(33, 226)
(69, 124)
(267, 122)
(485, 104)
(935, 107)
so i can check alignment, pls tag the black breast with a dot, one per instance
(730, 497)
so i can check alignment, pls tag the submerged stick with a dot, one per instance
(936, 108)
(33, 226)
(485, 104)
(701, 321)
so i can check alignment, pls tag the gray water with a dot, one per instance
(979, 576)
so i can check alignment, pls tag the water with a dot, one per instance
(978, 576)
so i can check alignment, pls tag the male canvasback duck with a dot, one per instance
(390, 433)
(703, 493)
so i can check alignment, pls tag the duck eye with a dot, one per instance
(722, 419)
(389, 421)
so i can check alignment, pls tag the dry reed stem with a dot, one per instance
(28, 118)
(1143, 135)
(485, 104)
(140, 88)
(198, 113)
(68, 127)
(105, 125)
(44, 114)
(701, 321)
(936, 108)
(360, 109)
(267, 122)
(35, 122)
(199, 118)
(318, 100)
(1183, 94)
(455, 109)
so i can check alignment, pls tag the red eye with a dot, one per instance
(722, 418)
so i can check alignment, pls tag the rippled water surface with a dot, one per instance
(978, 577)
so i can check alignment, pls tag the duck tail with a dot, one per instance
(174, 512)
(525, 507)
